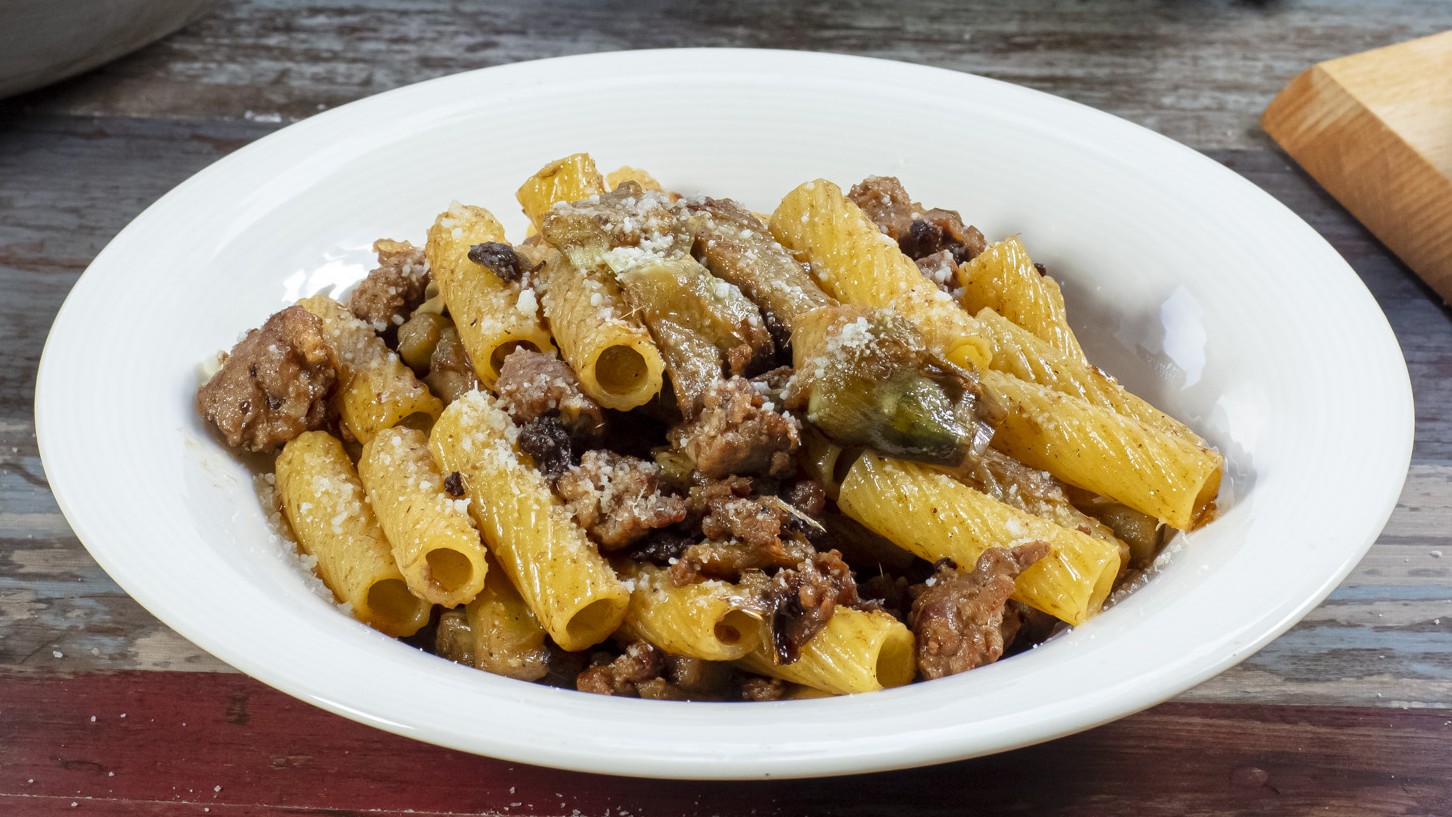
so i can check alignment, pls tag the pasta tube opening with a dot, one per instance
(621, 372)
(449, 570)
(393, 610)
(1204, 507)
(504, 350)
(894, 665)
(1104, 578)
(733, 627)
(595, 621)
(418, 421)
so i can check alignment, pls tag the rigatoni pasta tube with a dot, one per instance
(934, 516)
(856, 652)
(626, 173)
(1170, 478)
(492, 316)
(547, 557)
(323, 501)
(614, 356)
(1003, 278)
(855, 263)
(375, 390)
(507, 637)
(433, 540)
(572, 178)
(823, 460)
(711, 620)
(1020, 353)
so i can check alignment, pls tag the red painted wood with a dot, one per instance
(178, 743)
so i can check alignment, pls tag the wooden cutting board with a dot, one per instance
(1375, 129)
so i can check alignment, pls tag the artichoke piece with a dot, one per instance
(692, 362)
(1140, 531)
(453, 638)
(698, 321)
(868, 380)
(616, 231)
(686, 293)
(737, 247)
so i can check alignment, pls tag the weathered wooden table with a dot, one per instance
(103, 708)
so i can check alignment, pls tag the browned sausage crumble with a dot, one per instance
(921, 233)
(532, 384)
(274, 385)
(391, 293)
(739, 432)
(802, 599)
(959, 619)
(618, 499)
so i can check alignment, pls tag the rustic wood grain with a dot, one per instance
(1198, 72)
(219, 741)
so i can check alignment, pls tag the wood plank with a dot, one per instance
(215, 741)
(1197, 72)
(1375, 129)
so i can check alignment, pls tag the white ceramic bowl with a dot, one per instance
(1196, 288)
(43, 41)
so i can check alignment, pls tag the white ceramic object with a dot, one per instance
(44, 41)
(1196, 288)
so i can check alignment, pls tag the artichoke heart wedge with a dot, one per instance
(701, 324)
(867, 379)
(612, 232)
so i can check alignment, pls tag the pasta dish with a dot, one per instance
(666, 447)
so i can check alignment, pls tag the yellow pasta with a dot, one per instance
(1003, 278)
(823, 460)
(934, 516)
(614, 356)
(551, 562)
(856, 652)
(323, 501)
(626, 173)
(569, 179)
(433, 541)
(1170, 478)
(1020, 353)
(507, 638)
(492, 316)
(375, 390)
(712, 620)
(855, 263)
